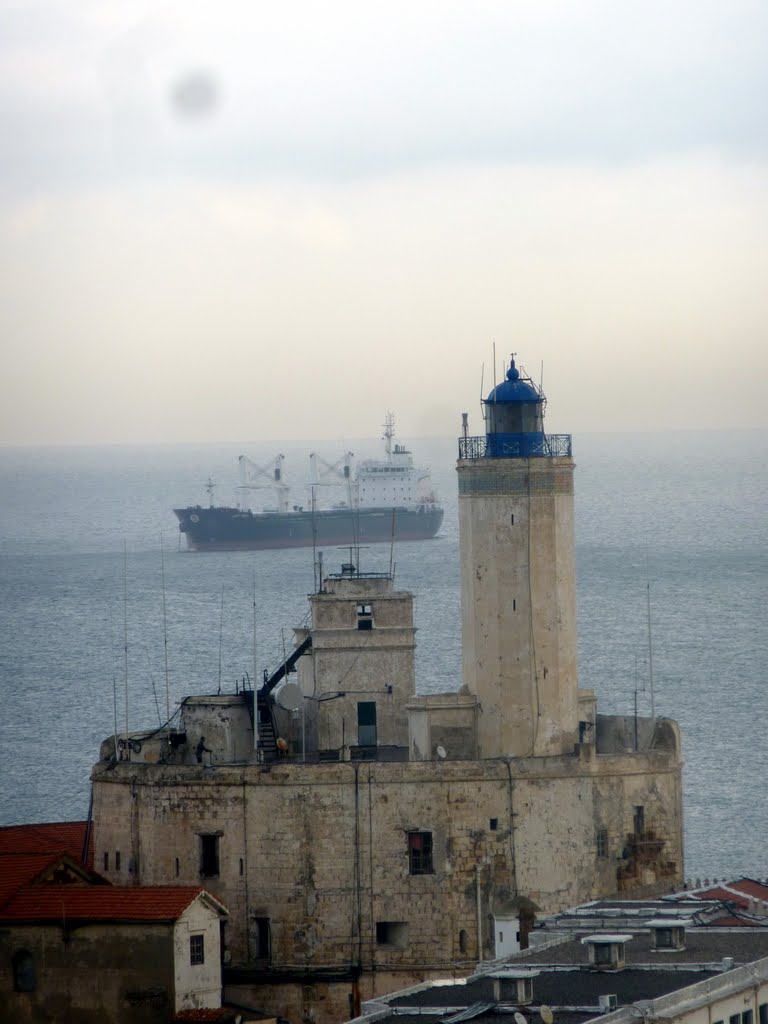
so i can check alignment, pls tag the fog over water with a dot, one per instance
(683, 511)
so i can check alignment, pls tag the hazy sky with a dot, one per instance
(252, 220)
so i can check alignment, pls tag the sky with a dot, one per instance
(249, 220)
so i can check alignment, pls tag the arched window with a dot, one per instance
(24, 977)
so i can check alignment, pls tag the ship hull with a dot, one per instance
(232, 529)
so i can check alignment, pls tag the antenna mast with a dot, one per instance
(165, 636)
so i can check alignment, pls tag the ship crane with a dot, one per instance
(329, 474)
(272, 474)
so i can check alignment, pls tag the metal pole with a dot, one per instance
(650, 655)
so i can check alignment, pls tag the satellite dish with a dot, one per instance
(441, 753)
(290, 696)
(545, 1012)
(520, 1019)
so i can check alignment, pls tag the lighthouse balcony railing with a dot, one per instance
(515, 446)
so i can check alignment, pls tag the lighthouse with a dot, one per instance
(518, 578)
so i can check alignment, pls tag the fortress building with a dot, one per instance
(364, 836)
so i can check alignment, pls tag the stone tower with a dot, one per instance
(518, 585)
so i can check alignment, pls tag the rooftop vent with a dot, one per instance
(513, 987)
(667, 934)
(606, 952)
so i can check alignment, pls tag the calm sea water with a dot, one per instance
(80, 553)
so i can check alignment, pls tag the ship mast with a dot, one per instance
(389, 433)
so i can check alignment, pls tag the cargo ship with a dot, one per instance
(385, 500)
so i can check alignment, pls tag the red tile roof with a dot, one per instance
(99, 903)
(51, 837)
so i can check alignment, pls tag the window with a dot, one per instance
(263, 938)
(664, 938)
(24, 974)
(106, 860)
(196, 949)
(746, 1017)
(494, 824)
(735, 1018)
(178, 867)
(463, 941)
(117, 860)
(364, 616)
(420, 853)
(209, 856)
(601, 841)
(366, 723)
(762, 1013)
(392, 933)
(639, 820)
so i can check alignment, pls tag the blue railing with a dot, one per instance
(515, 446)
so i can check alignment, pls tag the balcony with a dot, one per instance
(515, 446)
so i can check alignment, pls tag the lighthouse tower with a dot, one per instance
(518, 586)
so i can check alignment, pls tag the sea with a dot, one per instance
(108, 620)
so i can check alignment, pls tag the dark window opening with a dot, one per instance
(762, 1013)
(735, 1018)
(197, 949)
(512, 519)
(514, 605)
(24, 974)
(209, 856)
(263, 937)
(602, 843)
(664, 938)
(366, 723)
(639, 821)
(494, 824)
(603, 953)
(178, 866)
(106, 860)
(392, 933)
(364, 616)
(463, 941)
(746, 1017)
(420, 853)
(241, 865)
(117, 860)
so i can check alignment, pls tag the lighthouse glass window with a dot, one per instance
(420, 853)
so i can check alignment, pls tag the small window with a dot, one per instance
(106, 860)
(664, 938)
(241, 866)
(420, 853)
(762, 1013)
(601, 841)
(639, 821)
(24, 974)
(735, 1018)
(366, 723)
(263, 938)
(117, 860)
(364, 616)
(209, 856)
(463, 941)
(392, 933)
(746, 1017)
(178, 867)
(603, 953)
(196, 949)
(493, 824)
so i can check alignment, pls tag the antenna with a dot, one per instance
(125, 630)
(221, 633)
(650, 655)
(494, 365)
(165, 636)
(392, 543)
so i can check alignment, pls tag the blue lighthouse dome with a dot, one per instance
(514, 389)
